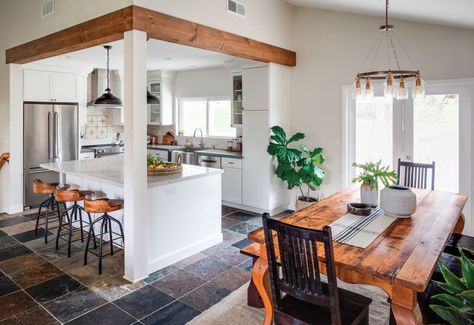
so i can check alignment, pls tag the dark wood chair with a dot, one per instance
(308, 299)
(416, 175)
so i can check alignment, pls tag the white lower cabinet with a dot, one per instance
(86, 155)
(161, 154)
(232, 185)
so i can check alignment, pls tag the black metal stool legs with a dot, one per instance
(105, 227)
(50, 205)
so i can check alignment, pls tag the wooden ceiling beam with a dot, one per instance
(110, 27)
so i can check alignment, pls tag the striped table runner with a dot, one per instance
(360, 231)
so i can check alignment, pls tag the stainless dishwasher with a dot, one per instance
(209, 161)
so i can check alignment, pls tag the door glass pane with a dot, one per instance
(436, 137)
(374, 136)
(193, 116)
(220, 112)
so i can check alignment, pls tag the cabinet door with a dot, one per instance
(232, 185)
(161, 154)
(154, 110)
(63, 87)
(255, 85)
(255, 133)
(256, 182)
(37, 86)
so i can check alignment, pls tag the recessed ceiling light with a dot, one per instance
(168, 59)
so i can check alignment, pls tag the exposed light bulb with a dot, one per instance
(419, 87)
(402, 90)
(369, 91)
(358, 84)
(389, 90)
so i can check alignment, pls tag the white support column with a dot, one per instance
(135, 178)
(15, 187)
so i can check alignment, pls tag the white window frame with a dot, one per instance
(463, 87)
(207, 100)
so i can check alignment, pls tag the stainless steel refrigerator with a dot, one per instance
(50, 134)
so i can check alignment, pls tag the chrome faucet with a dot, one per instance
(201, 144)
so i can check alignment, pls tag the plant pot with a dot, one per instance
(369, 195)
(303, 202)
(398, 201)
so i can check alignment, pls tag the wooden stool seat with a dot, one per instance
(103, 205)
(71, 195)
(40, 187)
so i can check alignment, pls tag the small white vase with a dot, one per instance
(369, 195)
(301, 204)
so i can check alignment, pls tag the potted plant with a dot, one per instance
(370, 176)
(458, 299)
(298, 167)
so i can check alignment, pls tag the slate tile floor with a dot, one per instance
(39, 285)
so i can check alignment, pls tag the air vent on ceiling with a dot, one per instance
(236, 8)
(47, 8)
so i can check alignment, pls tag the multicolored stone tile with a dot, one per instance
(15, 303)
(35, 315)
(179, 283)
(231, 255)
(54, 288)
(115, 287)
(205, 297)
(232, 279)
(36, 274)
(106, 314)
(207, 268)
(176, 313)
(144, 301)
(74, 304)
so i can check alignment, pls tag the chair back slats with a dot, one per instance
(416, 174)
(300, 275)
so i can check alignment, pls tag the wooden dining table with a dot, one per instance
(400, 260)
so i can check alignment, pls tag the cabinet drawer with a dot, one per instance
(231, 163)
(86, 155)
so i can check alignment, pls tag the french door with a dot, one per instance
(434, 128)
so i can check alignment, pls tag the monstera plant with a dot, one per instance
(458, 299)
(299, 167)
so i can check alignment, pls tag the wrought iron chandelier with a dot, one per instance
(397, 81)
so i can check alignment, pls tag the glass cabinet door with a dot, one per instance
(237, 100)
(154, 110)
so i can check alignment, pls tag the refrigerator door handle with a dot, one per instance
(50, 155)
(55, 135)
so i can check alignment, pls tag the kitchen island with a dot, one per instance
(184, 209)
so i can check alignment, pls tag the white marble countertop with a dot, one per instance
(111, 170)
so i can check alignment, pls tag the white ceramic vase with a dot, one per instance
(369, 195)
(398, 201)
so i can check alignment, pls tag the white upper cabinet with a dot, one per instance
(63, 87)
(255, 83)
(36, 86)
(45, 86)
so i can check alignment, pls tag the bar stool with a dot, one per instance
(67, 195)
(40, 187)
(104, 206)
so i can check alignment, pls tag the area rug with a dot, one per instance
(233, 309)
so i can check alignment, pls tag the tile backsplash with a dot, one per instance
(96, 127)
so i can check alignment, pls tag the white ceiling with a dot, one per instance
(161, 56)
(446, 12)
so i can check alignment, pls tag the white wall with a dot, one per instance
(331, 46)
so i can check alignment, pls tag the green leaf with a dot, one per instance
(452, 280)
(449, 314)
(468, 295)
(279, 134)
(451, 300)
(446, 287)
(467, 268)
(296, 137)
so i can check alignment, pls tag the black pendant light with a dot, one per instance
(150, 98)
(107, 98)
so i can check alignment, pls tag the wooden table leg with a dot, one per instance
(253, 297)
(260, 278)
(405, 308)
(459, 225)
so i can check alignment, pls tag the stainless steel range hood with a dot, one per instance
(97, 82)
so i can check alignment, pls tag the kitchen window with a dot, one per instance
(211, 115)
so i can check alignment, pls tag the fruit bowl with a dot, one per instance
(156, 167)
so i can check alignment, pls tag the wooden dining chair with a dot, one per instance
(416, 175)
(308, 299)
